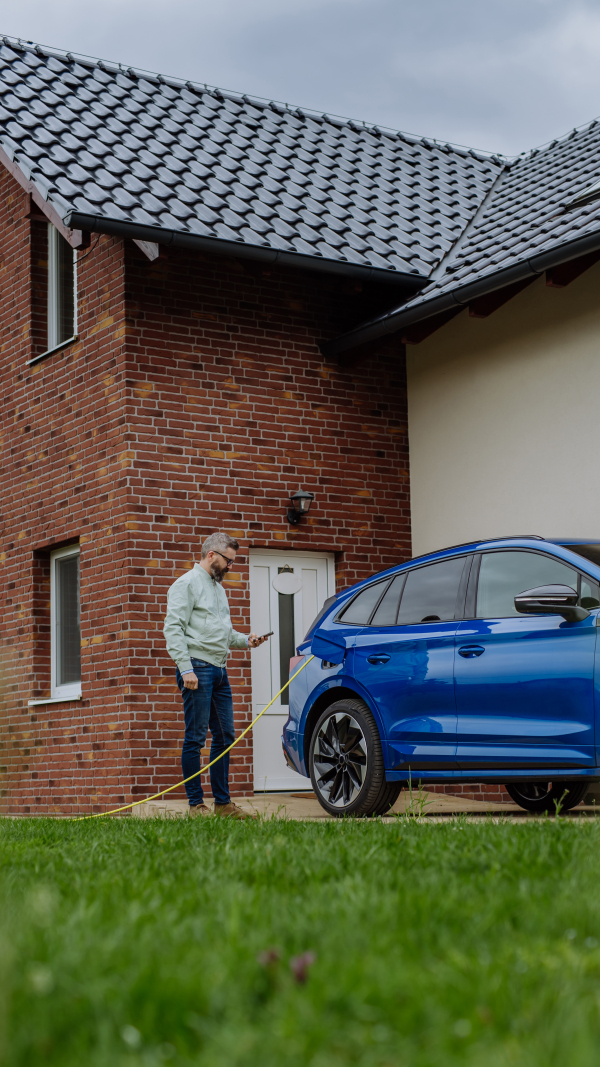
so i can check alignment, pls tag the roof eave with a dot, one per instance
(462, 295)
(73, 236)
(139, 232)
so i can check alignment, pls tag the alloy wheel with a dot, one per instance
(340, 759)
(533, 790)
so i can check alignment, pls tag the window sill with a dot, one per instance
(53, 700)
(51, 351)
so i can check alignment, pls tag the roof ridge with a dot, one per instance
(483, 155)
(526, 155)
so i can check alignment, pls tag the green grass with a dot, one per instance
(135, 943)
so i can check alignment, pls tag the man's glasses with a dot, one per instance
(228, 561)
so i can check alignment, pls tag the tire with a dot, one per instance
(346, 762)
(547, 796)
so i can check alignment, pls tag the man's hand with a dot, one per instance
(254, 640)
(189, 680)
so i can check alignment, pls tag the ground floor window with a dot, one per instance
(65, 623)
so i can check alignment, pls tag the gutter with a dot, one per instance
(97, 224)
(462, 295)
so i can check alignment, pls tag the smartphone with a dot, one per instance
(270, 634)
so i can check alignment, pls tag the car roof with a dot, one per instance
(514, 541)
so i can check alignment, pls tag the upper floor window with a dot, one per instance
(61, 289)
(54, 290)
(65, 625)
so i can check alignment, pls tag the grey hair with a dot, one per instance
(218, 542)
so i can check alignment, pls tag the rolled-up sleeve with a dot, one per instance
(180, 605)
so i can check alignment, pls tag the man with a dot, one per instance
(199, 635)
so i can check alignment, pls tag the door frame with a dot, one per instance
(275, 555)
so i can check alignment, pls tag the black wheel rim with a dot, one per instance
(339, 759)
(533, 790)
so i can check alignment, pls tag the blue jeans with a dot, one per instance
(210, 705)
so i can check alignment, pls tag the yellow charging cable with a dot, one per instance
(202, 770)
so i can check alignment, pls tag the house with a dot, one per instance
(211, 302)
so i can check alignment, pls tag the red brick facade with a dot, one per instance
(195, 399)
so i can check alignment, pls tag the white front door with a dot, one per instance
(305, 580)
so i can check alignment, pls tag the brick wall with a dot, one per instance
(195, 399)
(485, 791)
(63, 481)
(231, 408)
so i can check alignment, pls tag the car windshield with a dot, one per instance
(591, 552)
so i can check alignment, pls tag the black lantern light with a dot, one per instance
(300, 502)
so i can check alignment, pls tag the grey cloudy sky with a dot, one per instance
(495, 74)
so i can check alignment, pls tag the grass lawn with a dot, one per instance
(146, 942)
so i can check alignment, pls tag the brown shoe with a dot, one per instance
(233, 811)
(199, 809)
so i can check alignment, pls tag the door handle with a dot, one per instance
(470, 651)
(379, 657)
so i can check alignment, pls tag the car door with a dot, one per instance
(524, 684)
(404, 660)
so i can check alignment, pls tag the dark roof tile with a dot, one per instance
(166, 154)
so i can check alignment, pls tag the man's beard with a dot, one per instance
(216, 572)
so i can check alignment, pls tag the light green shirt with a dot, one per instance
(198, 623)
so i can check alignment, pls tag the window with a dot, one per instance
(53, 290)
(361, 608)
(431, 593)
(388, 609)
(65, 628)
(589, 594)
(61, 289)
(505, 574)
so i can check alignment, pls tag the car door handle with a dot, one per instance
(378, 657)
(470, 651)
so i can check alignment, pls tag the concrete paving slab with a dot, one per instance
(306, 806)
(435, 807)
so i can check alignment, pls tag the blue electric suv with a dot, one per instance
(476, 663)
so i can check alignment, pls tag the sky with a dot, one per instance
(500, 75)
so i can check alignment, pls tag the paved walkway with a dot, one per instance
(432, 806)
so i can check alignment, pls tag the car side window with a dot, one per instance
(361, 608)
(503, 575)
(431, 592)
(387, 611)
(590, 594)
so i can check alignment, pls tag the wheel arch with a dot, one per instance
(323, 701)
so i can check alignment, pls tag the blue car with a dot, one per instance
(474, 664)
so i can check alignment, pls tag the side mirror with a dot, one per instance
(551, 600)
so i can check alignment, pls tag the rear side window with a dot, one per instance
(361, 608)
(503, 575)
(387, 612)
(431, 592)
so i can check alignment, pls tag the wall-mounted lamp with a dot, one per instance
(300, 502)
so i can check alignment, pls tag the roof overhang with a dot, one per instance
(74, 237)
(462, 296)
(79, 221)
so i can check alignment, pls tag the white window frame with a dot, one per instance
(72, 691)
(53, 297)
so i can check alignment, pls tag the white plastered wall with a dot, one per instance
(504, 420)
